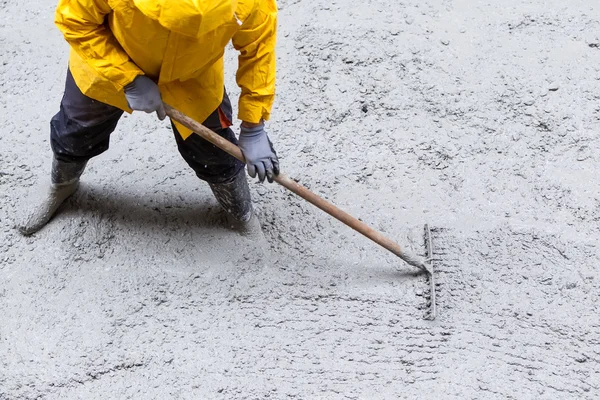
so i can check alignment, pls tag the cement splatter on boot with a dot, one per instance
(65, 180)
(234, 198)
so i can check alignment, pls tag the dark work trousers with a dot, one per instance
(81, 130)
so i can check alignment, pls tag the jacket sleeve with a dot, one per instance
(256, 63)
(83, 26)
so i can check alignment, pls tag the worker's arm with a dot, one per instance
(256, 63)
(82, 23)
(256, 77)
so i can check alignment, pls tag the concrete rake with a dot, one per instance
(424, 264)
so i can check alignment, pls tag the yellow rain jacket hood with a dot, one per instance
(178, 43)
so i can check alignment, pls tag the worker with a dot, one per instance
(131, 55)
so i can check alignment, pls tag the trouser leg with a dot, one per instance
(224, 173)
(79, 131)
(209, 162)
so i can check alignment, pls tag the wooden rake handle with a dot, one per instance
(300, 190)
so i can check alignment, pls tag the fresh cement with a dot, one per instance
(480, 118)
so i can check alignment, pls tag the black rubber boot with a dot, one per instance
(235, 199)
(64, 182)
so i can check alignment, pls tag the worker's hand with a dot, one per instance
(143, 95)
(258, 152)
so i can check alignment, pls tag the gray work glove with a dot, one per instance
(143, 95)
(259, 153)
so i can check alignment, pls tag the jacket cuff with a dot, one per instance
(125, 74)
(254, 110)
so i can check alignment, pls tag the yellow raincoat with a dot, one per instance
(178, 43)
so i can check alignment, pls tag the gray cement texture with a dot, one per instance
(480, 118)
